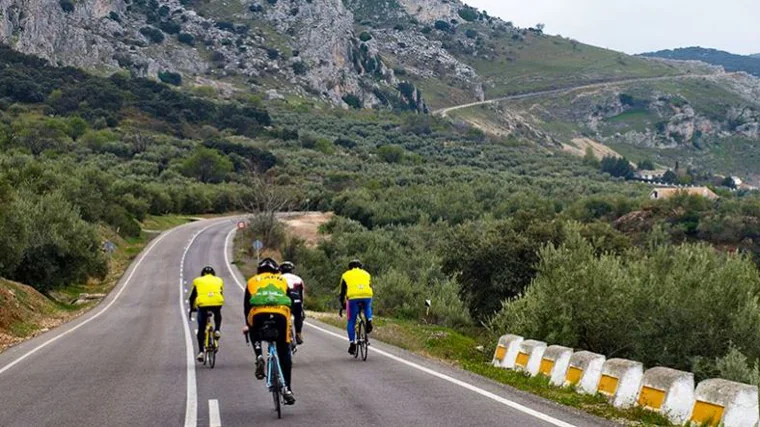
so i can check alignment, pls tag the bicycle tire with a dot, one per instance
(212, 359)
(276, 397)
(363, 342)
(359, 329)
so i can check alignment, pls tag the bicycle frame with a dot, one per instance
(273, 362)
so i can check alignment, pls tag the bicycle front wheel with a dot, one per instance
(276, 398)
(212, 358)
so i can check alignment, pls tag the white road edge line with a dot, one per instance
(191, 402)
(214, 419)
(96, 315)
(468, 386)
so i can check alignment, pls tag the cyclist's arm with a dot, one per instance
(193, 296)
(246, 304)
(343, 291)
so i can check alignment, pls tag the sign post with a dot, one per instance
(258, 245)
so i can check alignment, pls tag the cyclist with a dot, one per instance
(297, 293)
(355, 289)
(266, 301)
(207, 296)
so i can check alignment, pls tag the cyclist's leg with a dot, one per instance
(368, 313)
(297, 310)
(202, 319)
(352, 310)
(283, 348)
(217, 310)
(254, 332)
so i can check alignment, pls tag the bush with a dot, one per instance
(353, 101)
(585, 300)
(299, 68)
(471, 34)
(66, 5)
(152, 34)
(186, 38)
(391, 153)
(442, 26)
(398, 27)
(273, 53)
(207, 165)
(469, 14)
(170, 78)
(426, 30)
(170, 27)
(365, 36)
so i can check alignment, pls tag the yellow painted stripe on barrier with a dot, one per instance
(501, 352)
(574, 375)
(608, 385)
(707, 413)
(651, 398)
(522, 359)
(546, 367)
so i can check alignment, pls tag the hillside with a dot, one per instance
(731, 62)
(355, 52)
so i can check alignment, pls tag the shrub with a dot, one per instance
(365, 36)
(186, 38)
(152, 34)
(299, 68)
(469, 14)
(256, 8)
(585, 300)
(426, 30)
(442, 26)
(398, 27)
(170, 27)
(391, 153)
(207, 165)
(273, 53)
(170, 78)
(471, 34)
(67, 5)
(353, 101)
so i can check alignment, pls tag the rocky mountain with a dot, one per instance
(400, 54)
(731, 62)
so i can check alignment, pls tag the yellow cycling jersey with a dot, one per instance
(358, 284)
(210, 291)
(268, 294)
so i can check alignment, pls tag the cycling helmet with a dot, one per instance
(208, 270)
(355, 263)
(268, 265)
(287, 267)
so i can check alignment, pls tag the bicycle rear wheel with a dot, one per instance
(363, 349)
(359, 338)
(276, 397)
(211, 358)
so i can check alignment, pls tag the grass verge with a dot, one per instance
(473, 350)
(25, 313)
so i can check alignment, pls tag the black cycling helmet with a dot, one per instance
(354, 263)
(208, 270)
(268, 265)
(287, 267)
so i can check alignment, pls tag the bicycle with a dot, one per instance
(275, 379)
(362, 340)
(211, 345)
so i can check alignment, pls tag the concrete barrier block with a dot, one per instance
(620, 381)
(669, 392)
(726, 403)
(555, 362)
(529, 357)
(584, 371)
(506, 351)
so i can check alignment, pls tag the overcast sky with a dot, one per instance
(636, 26)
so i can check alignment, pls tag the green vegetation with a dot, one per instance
(731, 62)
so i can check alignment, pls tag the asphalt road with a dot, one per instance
(127, 363)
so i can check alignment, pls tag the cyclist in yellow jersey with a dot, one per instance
(207, 296)
(356, 290)
(266, 302)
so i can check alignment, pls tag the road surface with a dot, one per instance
(127, 363)
(445, 111)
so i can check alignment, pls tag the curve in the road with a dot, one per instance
(443, 112)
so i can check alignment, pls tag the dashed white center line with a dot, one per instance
(214, 418)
